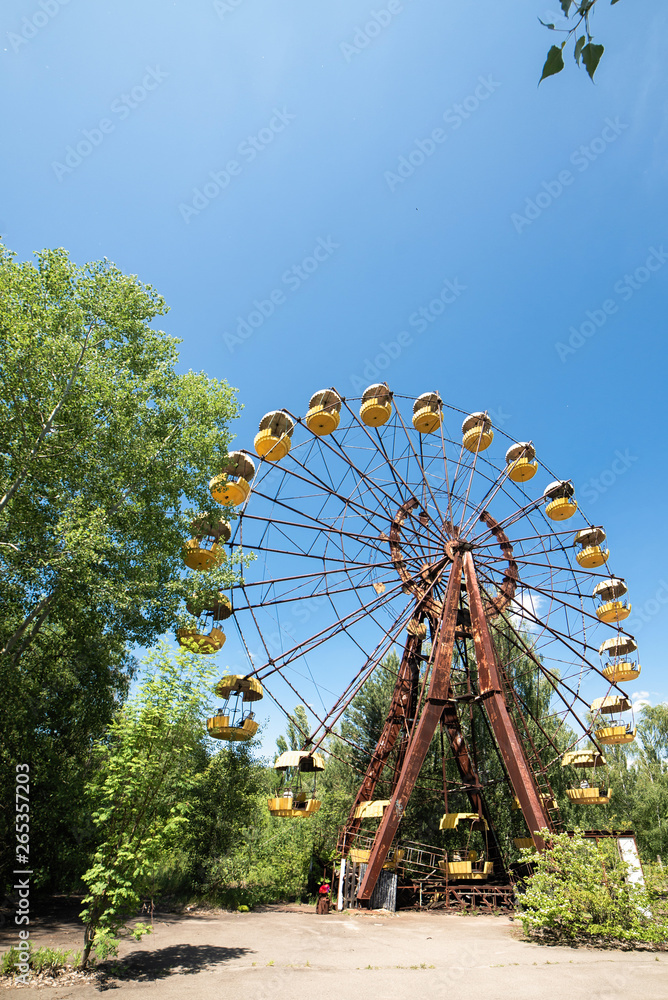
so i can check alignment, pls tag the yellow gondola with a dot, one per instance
(376, 408)
(525, 843)
(590, 552)
(611, 704)
(467, 871)
(220, 729)
(589, 796)
(197, 642)
(371, 809)
(219, 608)
(619, 666)
(203, 551)
(235, 723)
(293, 807)
(274, 438)
(324, 412)
(427, 413)
(477, 432)
(520, 464)
(611, 609)
(360, 856)
(615, 735)
(583, 758)
(292, 764)
(561, 502)
(450, 821)
(232, 485)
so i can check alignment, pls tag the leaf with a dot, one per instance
(613, 1)
(578, 48)
(550, 26)
(554, 62)
(566, 6)
(591, 56)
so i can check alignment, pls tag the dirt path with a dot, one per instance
(280, 954)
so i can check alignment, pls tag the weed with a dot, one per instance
(39, 959)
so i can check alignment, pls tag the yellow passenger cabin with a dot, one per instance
(232, 486)
(477, 433)
(293, 802)
(620, 665)
(376, 408)
(324, 412)
(561, 502)
(274, 438)
(520, 462)
(234, 721)
(611, 608)
(590, 553)
(427, 413)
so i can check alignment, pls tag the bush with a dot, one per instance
(39, 959)
(578, 891)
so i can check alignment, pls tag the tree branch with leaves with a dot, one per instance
(578, 30)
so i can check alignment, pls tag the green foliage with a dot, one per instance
(578, 891)
(146, 768)
(579, 12)
(297, 731)
(639, 780)
(105, 451)
(39, 959)
(270, 862)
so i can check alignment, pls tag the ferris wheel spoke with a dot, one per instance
(565, 638)
(337, 450)
(364, 475)
(425, 478)
(543, 592)
(360, 679)
(377, 443)
(318, 524)
(366, 512)
(507, 522)
(556, 687)
(343, 624)
(370, 540)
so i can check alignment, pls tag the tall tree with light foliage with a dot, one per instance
(106, 450)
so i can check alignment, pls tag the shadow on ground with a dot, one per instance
(183, 958)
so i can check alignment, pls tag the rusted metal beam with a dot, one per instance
(510, 746)
(437, 696)
(397, 717)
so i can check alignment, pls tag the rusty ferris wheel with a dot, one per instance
(400, 523)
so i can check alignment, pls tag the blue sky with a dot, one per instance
(221, 144)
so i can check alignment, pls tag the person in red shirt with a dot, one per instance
(324, 893)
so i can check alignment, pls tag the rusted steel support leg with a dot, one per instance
(397, 715)
(510, 746)
(437, 695)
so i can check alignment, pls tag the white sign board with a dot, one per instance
(628, 851)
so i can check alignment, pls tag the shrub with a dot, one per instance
(578, 891)
(39, 959)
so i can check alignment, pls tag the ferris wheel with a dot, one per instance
(386, 523)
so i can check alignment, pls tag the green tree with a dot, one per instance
(229, 800)
(105, 452)
(146, 769)
(639, 780)
(297, 731)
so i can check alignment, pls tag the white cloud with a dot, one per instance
(526, 608)
(639, 700)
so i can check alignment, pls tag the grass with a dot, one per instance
(39, 960)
